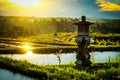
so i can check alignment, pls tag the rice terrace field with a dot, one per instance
(48, 44)
(38, 39)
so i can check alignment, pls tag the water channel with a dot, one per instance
(96, 57)
(8, 75)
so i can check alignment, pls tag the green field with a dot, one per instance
(63, 41)
(98, 71)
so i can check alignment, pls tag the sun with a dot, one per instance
(27, 3)
(27, 47)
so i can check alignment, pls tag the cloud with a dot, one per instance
(105, 5)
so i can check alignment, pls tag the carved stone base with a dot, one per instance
(83, 63)
(78, 62)
(86, 63)
(83, 58)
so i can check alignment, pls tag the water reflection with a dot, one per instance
(29, 53)
(64, 57)
(105, 56)
(7, 75)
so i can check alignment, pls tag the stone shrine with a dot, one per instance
(83, 40)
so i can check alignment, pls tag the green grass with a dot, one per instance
(55, 49)
(12, 50)
(64, 38)
(104, 47)
(62, 72)
(61, 38)
(39, 50)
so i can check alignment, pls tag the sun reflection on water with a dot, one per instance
(29, 53)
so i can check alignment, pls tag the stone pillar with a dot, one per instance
(83, 40)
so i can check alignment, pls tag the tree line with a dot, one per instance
(15, 26)
(106, 26)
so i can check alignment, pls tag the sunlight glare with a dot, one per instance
(27, 47)
(29, 53)
(27, 3)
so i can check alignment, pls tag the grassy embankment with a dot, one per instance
(99, 71)
(69, 38)
(64, 42)
(48, 50)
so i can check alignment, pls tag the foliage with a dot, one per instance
(49, 44)
(61, 72)
(104, 48)
(17, 26)
(12, 50)
(106, 26)
(49, 50)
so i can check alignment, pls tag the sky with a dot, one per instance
(61, 8)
